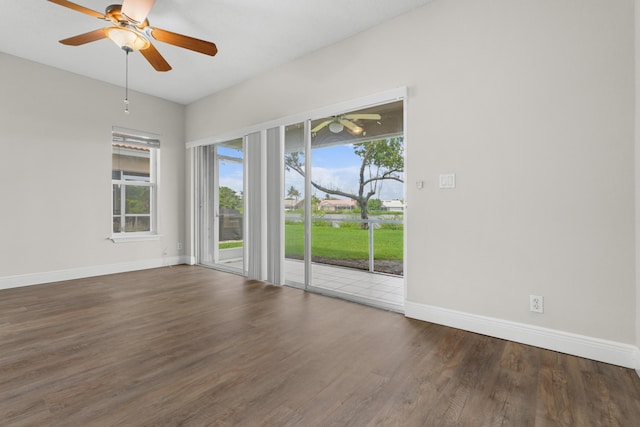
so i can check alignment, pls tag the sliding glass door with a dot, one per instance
(221, 205)
(344, 205)
(317, 205)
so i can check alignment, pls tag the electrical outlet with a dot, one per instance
(179, 246)
(536, 303)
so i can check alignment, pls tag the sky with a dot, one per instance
(333, 167)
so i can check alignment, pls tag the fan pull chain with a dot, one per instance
(126, 80)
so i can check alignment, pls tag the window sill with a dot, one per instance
(134, 238)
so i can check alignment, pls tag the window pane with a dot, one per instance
(137, 223)
(116, 224)
(294, 204)
(131, 163)
(230, 195)
(133, 174)
(117, 199)
(138, 199)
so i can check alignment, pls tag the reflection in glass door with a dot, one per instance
(221, 205)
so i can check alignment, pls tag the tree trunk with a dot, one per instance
(364, 213)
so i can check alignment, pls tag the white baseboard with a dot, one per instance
(91, 271)
(611, 352)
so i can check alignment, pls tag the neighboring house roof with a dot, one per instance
(291, 203)
(393, 204)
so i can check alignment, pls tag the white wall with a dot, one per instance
(55, 174)
(531, 104)
(637, 177)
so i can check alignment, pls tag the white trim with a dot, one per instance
(92, 271)
(264, 247)
(131, 237)
(363, 102)
(407, 198)
(135, 137)
(308, 207)
(565, 342)
(153, 184)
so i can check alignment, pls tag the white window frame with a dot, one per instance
(151, 142)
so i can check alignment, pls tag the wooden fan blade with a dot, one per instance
(363, 116)
(137, 10)
(321, 125)
(78, 8)
(354, 128)
(89, 37)
(186, 42)
(155, 59)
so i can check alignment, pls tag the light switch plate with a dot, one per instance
(448, 181)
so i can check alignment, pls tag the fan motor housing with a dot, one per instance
(114, 12)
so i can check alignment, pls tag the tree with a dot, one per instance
(293, 193)
(229, 199)
(381, 160)
(375, 204)
(315, 201)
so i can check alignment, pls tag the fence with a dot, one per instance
(343, 240)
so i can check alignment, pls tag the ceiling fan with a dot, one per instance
(338, 123)
(131, 31)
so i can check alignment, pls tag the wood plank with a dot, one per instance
(193, 346)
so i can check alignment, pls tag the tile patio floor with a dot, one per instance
(375, 289)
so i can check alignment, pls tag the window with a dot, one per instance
(134, 182)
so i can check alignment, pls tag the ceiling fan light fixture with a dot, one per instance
(336, 127)
(357, 131)
(126, 38)
(136, 11)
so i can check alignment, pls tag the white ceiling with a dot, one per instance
(252, 36)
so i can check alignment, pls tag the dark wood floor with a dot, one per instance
(192, 346)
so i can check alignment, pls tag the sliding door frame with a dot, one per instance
(399, 94)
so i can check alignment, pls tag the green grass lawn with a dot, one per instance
(229, 245)
(347, 242)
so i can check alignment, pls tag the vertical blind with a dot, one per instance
(265, 205)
